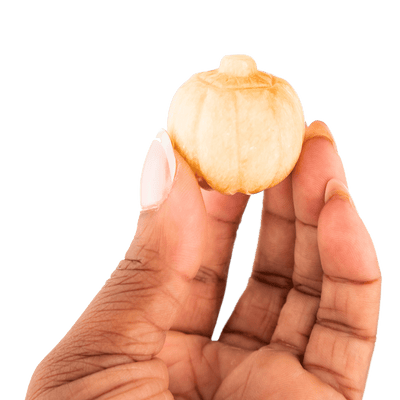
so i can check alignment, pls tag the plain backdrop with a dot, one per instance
(86, 85)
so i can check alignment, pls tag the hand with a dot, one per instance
(304, 328)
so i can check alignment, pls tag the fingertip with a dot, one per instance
(345, 246)
(319, 129)
(335, 187)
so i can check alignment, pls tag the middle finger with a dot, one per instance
(270, 281)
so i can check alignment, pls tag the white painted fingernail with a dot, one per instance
(158, 172)
(169, 150)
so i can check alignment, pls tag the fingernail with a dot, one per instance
(169, 150)
(158, 172)
(202, 182)
(337, 188)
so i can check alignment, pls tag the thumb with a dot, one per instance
(145, 293)
(172, 224)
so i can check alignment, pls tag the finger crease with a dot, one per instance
(307, 290)
(271, 279)
(224, 221)
(306, 224)
(343, 328)
(228, 331)
(277, 216)
(208, 275)
(324, 369)
(288, 345)
(350, 281)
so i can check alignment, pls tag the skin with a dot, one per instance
(304, 328)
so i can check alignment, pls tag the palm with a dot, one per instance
(286, 338)
(212, 370)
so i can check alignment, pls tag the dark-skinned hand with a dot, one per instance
(304, 328)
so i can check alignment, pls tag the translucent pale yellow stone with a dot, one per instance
(239, 128)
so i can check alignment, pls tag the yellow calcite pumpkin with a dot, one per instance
(238, 128)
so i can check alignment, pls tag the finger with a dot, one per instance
(277, 266)
(254, 318)
(128, 319)
(200, 312)
(343, 338)
(318, 162)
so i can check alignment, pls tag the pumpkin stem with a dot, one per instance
(237, 65)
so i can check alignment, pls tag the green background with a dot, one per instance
(84, 88)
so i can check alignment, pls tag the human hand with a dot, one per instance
(304, 328)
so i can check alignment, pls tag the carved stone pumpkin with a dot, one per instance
(238, 128)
